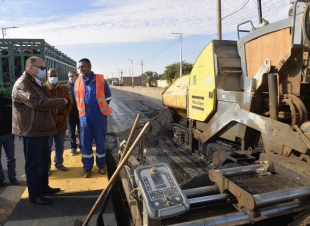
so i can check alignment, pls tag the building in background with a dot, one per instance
(127, 81)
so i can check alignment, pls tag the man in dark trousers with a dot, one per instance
(34, 122)
(7, 140)
(56, 90)
(73, 119)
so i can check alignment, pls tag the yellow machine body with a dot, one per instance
(175, 95)
(201, 94)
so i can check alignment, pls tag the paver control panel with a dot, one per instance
(160, 190)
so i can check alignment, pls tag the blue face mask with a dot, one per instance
(41, 73)
(72, 80)
(53, 80)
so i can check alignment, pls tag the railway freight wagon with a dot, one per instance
(15, 52)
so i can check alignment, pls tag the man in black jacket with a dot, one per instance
(7, 140)
(73, 119)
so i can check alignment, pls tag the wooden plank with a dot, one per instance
(272, 46)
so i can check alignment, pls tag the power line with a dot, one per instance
(211, 27)
(235, 11)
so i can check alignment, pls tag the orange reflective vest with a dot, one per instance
(100, 96)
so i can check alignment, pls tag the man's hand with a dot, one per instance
(65, 101)
(60, 118)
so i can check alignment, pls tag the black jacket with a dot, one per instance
(74, 110)
(5, 115)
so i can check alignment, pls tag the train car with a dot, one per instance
(15, 52)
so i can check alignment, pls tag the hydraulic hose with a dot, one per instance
(293, 110)
(300, 103)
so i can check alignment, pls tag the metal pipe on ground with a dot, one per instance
(219, 220)
(229, 219)
(270, 198)
(241, 170)
(202, 191)
(210, 198)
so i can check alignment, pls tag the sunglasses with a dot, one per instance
(42, 68)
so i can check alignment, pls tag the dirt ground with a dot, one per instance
(153, 92)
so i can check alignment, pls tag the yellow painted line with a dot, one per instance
(72, 181)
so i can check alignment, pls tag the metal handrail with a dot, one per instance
(238, 30)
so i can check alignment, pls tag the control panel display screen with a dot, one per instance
(157, 179)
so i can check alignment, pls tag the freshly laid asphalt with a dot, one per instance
(78, 194)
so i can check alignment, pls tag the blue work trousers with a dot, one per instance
(7, 141)
(37, 157)
(93, 127)
(73, 123)
(59, 140)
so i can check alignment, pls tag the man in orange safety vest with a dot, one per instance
(92, 94)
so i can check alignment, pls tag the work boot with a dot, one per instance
(15, 182)
(73, 152)
(102, 170)
(87, 173)
(62, 168)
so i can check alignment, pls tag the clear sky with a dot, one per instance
(109, 32)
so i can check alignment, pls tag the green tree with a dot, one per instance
(172, 71)
(151, 78)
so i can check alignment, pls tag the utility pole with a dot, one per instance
(219, 19)
(122, 74)
(142, 72)
(131, 71)
(259, 8)
(180, 51)
(119, 75)
(4, 30)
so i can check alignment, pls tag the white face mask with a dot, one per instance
(41, 73)
(53, 80)
(72, 80)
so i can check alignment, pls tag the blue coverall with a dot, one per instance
(93, 126)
